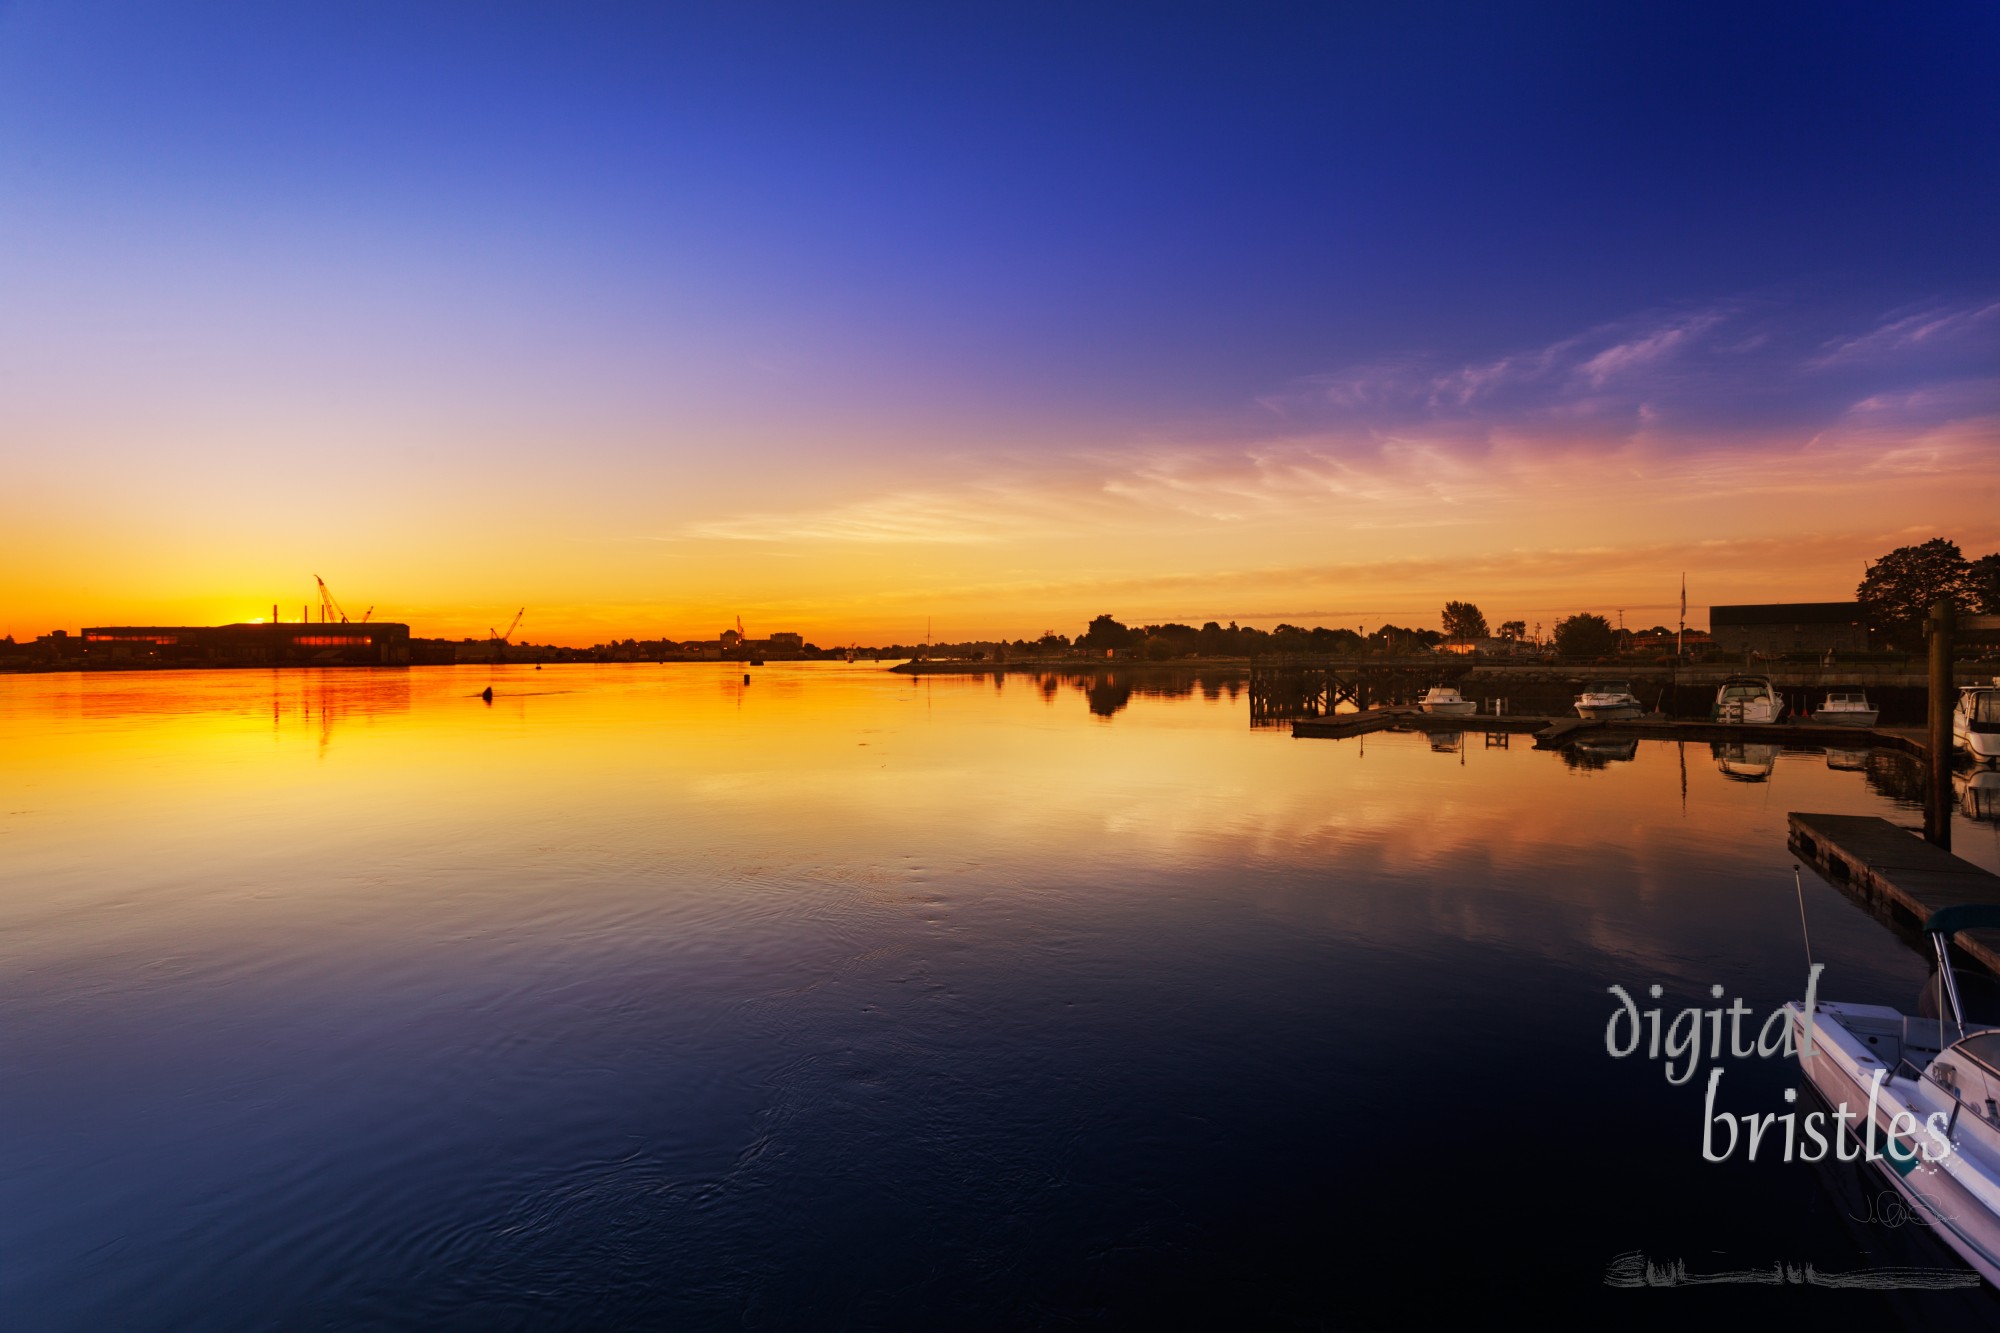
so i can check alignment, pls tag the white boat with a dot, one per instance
(1847, 709)
(1445, 700)
(1748, 701)
(1608, 700)
(1975, 723)
(1919, 1096)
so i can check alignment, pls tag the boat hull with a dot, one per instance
(1608, 712)
(1981, 745)
(1847, 717)
(1960, 1211)
(1460, 708)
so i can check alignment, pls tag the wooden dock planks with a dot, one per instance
(1896, 873)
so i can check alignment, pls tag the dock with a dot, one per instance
(1897, 876)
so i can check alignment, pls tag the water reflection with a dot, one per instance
(1979, 793)
(1597, 751)
(1744, 761)
(848, 998)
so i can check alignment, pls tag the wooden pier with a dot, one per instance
(1896, 875)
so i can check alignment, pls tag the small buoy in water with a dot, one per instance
(487, 694)
(746, 678)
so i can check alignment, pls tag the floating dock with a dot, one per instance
(1895, 874)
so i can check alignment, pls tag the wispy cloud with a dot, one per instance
(1646, 350)
(1927, 329)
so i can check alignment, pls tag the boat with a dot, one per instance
(1916, 1094)
(1447, 701)
(1849, 708)
(1975, 723)
(1748, 701)
(1608, 700)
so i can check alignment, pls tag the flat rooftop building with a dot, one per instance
(376, 643)
(1789, 627)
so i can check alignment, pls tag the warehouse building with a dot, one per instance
(380, 643)
(1771, 628)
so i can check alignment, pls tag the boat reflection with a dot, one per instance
(1447, 742)
(1598, 751)
(1744, 761)
(1847, 760)
(1979, 794)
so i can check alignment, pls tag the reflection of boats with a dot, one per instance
(1446, 700)
(1848, 761)
(1921, 1092)
(1607, 751)
(1748, 701)
(1847, 709)
(1744, 761)
(1975, 723)
(1447, 742)
(1607, 700)
(1979, 794)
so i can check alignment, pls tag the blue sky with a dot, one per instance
(783, 260)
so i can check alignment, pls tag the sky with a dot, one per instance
(850, 318)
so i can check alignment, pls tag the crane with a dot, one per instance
(329, 609)
(499, 640)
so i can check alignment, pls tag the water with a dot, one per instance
(643, 996)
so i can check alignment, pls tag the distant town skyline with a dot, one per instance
(840, 319)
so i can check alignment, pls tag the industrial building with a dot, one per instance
(1789, 627)
(303, 643)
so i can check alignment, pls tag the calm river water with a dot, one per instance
(843, 999)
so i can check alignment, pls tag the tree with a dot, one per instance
(1585, 635)
(1463, 620)
(1986, 584)
(1898, 590)
(1516, 630)
(1104, 632)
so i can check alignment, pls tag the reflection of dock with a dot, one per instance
(1410, 719)
(1554, 733)
(1895, 874)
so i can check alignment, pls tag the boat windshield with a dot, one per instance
(1983, 1048)
(1985, 706)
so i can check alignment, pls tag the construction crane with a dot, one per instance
(499, 640)
(329, 609)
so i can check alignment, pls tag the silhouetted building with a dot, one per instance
(377, 643)
(1789, 627)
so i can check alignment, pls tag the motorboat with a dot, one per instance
(1917, 1095)
(1975, 723)
(1608, 700)
(1744, 762)
(1848, 708)
(1447, 701)
(1748, 701)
